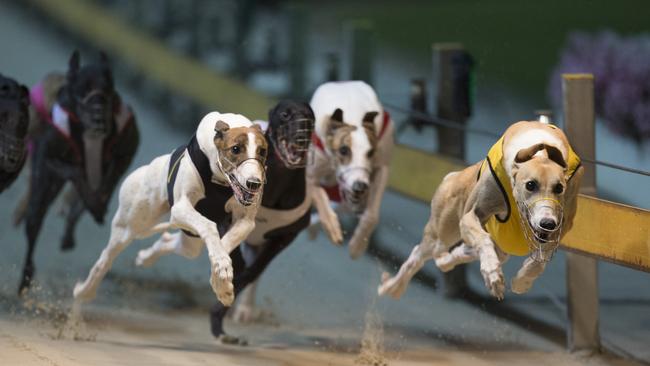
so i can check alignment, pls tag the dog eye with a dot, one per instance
(370, 153)
(235, 149)
(558, 188)
(531, 185)
(344, 150)
(262, 152)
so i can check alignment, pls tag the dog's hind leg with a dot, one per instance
(74, 211)
(530, 270)
(396, 285)
(458, 255)
(121, 237)
(168, 243)
(45, 187)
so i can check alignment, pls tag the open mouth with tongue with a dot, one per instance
(242, 194)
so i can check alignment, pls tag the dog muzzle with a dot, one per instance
(292, 140)
(12, 151)
(542, 241)
(95, 111)
(244, 195)
(356, 200)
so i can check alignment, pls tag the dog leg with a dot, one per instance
(185, 216)
(473, 234)
(179, 243)
(530, 270)
(75, 209)
(47, 186)
(396, 285)
(370, 217)
(328, 217)
(459, 255)
(245, 311)
(121, 237)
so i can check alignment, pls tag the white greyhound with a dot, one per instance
(219, 173)
(351, 150)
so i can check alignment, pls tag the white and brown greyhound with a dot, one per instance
(217, 176)
(520, 200)
(351, 150)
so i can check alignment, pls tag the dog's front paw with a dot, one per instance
(495, 283)
(221, 279)
(391, 286)
(332, 227)
(82, 293)
(521, 285)
(358, 245)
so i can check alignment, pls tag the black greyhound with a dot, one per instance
(284, 212)
(14, 122)
(87, 136)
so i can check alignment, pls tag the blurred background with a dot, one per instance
(436, 66)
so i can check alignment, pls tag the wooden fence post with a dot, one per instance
(582, 272)
(361, 49)
(452, 68)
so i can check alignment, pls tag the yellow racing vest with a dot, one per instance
(507, 233)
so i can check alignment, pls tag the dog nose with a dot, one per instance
(548, 224)
(253, 184)
(359, 187)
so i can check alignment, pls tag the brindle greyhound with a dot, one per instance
(86, 136)
(14, 121)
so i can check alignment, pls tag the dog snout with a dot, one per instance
(253, 184)
(548, 224)
(359, 188)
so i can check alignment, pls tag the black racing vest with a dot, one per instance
(213, 205)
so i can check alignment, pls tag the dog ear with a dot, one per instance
(369, 120)
(335, 122)
(526, 154)
(555, 155)
(337, 115)
(73, 63)
(258, 127)
(220, 128)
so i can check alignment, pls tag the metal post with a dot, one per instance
(452, 71)
(297, 49)
(582, 272)
(361, 49)
(332, 67)
(419, 99)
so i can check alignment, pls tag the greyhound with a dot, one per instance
(351, 150)
(218, 175)
(85, 135)
(520, 201)
(14, 122)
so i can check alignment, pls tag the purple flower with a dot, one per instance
(621, 67)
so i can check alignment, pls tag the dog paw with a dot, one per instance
(521, 285)
(332, 227)
(495, 283)
(445, 262)
(145, 258)
(358, 246)
(221, 280)
(83, 293)
(390, 286)
(244, 314)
